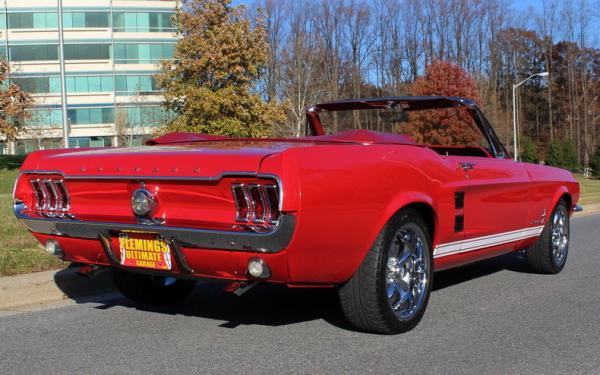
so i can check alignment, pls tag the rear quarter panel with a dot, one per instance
(344, 194)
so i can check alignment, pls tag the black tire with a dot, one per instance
(364, 298)
(151, 290)
(541, 256)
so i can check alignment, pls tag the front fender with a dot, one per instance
(558, 194)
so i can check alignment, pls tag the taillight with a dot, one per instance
(256, 204)
(51, 197)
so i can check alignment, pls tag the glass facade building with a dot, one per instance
(111, 51)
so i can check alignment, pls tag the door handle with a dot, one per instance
(466, 165)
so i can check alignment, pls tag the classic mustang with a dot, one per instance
(371, 213)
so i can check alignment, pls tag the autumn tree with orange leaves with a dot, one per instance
(218, 59)
(444, 126)
(13, 105)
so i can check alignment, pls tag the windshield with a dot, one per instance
(437, 126)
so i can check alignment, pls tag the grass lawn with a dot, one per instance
(19, 251)
(590, 190)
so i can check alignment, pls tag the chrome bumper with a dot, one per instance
(270, 242)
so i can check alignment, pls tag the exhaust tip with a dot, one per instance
(258, 268)
(54, 248)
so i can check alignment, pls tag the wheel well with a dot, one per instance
(428, 215)
(568, 200)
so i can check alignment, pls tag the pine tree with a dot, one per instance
(556, 156)
(528, 153)
(444, 126)
(595, 162)
(13, 105)
(217, 61)
(570, 155)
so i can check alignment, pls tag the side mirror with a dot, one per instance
(394, 114)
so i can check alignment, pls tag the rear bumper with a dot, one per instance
(190, 263)
(271, 242)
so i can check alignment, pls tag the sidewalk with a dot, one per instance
(51, 286)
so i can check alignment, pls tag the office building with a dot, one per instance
(111, 50)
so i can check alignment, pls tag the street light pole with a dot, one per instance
(514, 105)
(63, 79)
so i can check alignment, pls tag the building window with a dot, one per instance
(3, 20)
(44, 118)
(135, 85)
(25, 146)
(142, 53)
(74, 20)
(33, 52)
(87, 116)
(142, 116)
(87, 51)
(89, 84)
(33, 20)
(84, 142)
(143, 22)
(38, 85)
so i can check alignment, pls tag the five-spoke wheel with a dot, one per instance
(406, 274)
(549, 253)
(390, 290)
(560, 234)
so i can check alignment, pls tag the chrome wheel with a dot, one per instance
(407, 270)
(560, 235)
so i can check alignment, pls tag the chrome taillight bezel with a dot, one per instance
(257, 203)
(51, 197)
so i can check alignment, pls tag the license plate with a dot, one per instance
(144, 250)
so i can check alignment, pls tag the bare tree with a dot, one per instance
(331, 49)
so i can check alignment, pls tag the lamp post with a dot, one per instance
(514, 104)
(63, 79)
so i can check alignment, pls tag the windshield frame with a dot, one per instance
(314, 127)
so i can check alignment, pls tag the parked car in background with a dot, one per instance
(364, 203)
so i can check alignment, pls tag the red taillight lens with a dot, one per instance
(272, 198)
(241, 203)
(257, 203)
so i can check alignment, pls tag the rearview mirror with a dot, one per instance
(394, 114)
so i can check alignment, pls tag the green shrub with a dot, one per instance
(562, 155)
(11, 161)
(595, 161)
(528, 152)
(570, 161)
(555, 156)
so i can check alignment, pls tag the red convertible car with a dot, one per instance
(362, 203)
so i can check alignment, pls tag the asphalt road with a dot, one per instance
(491, 317)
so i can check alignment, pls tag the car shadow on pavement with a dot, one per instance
(515, 262)
(268, 304)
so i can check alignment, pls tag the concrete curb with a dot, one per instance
(588, 210)
(50, 286)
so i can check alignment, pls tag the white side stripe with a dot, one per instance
(478, 243)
